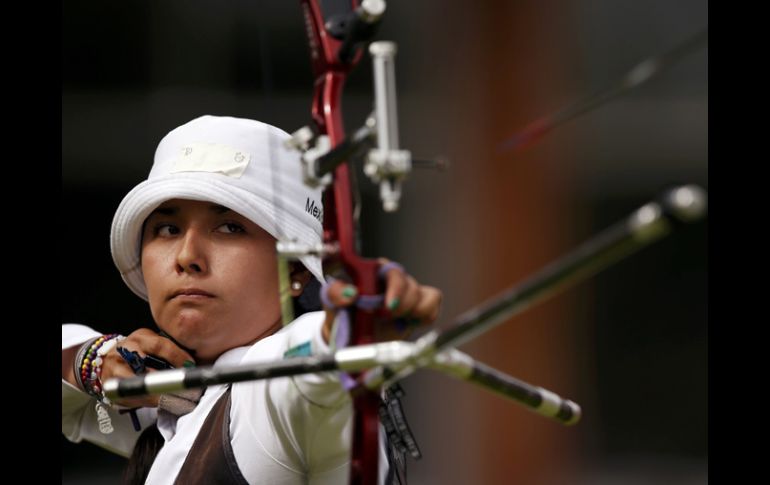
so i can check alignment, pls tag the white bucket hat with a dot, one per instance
(238, 163)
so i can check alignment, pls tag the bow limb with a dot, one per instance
(330, 71)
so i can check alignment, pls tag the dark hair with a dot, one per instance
(309, 300)
(146, 449)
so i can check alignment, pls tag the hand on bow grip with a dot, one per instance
(406, 304)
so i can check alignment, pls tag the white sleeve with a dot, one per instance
(330, 408)
(79, 419)
(324, 388)
(293, 429)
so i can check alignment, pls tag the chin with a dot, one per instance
(189, 332)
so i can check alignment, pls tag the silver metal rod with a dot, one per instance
(388, 354)
(534, 398)
(177, 379)
(350, 359)
(386, 164)
(383, 53)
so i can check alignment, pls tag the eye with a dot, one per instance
(231, 228)
(165, 230)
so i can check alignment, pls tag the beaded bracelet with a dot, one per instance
(77, 362)
(91, 365)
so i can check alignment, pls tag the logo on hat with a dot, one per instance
(314, 210)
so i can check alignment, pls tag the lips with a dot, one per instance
(190, 293)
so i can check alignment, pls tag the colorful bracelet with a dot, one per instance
(77, 362)
(91, 365)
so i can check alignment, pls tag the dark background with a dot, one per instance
(630, 345)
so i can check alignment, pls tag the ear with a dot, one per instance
(298, 274)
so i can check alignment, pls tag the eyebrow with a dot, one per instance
(219, 209)
(171, 210)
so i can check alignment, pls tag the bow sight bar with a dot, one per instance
(385, 163)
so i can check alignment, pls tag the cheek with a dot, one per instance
(252, 272)
(150, 265)
(252, 277)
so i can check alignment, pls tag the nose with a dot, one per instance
(191, 257)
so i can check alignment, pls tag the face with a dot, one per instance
(211, 277)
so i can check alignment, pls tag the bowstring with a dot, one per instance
(284, 276)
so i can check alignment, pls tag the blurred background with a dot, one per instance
(630, 345)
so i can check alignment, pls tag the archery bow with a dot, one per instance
(336, 31)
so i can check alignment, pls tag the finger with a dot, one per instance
(340, 294)
(335, 294)
(146, 342)
(164, 348)
(427, 309)
(395, 287)
(409, 298)
(114, 367)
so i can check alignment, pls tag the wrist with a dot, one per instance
(77, 364)
(88, 363)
